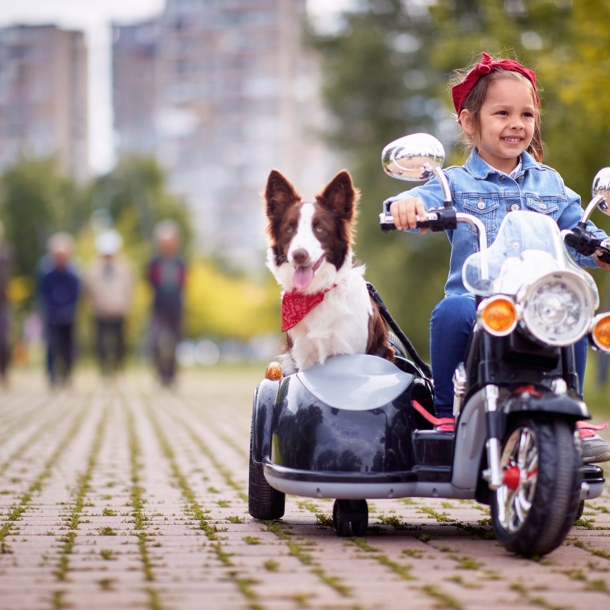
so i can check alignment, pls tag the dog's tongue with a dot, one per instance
(303, 276)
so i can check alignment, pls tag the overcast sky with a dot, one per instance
(94, 17)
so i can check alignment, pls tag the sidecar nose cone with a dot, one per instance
(355, 382)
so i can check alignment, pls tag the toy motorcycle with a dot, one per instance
(360, 427)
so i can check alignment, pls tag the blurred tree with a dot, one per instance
(566, 43)
(385, 75)
(135, 198)
(221, 306)
(36, 200)
(379, 84)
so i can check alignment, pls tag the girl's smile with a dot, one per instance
(506, 123)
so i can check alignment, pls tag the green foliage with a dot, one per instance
(221, 306)
(136, 198)
(379, 84)
(385, 75)
(36, 200)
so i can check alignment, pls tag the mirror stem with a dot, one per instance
(589, 210)
(440, 175)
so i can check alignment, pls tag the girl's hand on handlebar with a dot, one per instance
(406, 211)
(600, 262)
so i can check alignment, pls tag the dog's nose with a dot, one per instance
(300, 256)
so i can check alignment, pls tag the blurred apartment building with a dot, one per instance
(221, 92)
(43, 96)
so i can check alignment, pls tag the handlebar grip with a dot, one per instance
(386, 222)
(386, 227)
(587, 244)
(437, 219)
(603, 251)
(426, 223)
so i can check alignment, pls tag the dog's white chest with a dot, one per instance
(338, 325)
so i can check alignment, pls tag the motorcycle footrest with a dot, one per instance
(433, 448)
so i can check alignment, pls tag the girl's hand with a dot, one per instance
(600, 263)
(406, 211)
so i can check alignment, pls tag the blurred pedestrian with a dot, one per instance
(58, 293)
(6, 265)
(109, 289)
(166, 273)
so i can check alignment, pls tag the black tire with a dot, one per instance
(580, 510)
(341, 518)
(264, 502)
(361, 523)
(535, 518)
(396, 343)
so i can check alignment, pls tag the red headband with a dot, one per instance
(460, 92)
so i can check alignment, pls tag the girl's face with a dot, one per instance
(506, 123)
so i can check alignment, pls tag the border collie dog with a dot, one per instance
(326, 307)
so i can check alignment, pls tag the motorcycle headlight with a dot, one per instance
(557, 308)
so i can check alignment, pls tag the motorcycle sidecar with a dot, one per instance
(346, 430)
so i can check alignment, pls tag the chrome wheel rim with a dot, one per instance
(515, 499)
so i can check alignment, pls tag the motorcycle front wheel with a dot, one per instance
(534, 509)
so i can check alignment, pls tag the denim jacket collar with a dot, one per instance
(479, 169)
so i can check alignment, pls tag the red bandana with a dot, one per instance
(296, 305)
(460, 92)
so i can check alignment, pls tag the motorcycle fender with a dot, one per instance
(265, 397)
(561, 404)
(470, 437)
(471, 427)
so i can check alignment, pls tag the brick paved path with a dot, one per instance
(130, 496)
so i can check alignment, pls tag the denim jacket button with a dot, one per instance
(515, 207)
(481, 205)
(542, 206)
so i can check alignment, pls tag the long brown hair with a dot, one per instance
(477, 96)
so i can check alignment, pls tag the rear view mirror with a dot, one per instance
(601, 188)
(413, 157)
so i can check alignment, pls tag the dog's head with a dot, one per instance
(309, 241)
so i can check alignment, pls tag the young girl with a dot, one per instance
(498, 109)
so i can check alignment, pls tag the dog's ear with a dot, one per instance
(279, 194)
(340, 197)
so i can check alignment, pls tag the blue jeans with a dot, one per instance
(450, 330)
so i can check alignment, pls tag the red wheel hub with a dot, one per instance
(512, 476)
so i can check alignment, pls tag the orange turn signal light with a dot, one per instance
(497, 315)
(274, 371)
(601, 331)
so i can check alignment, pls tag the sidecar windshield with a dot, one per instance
(528, 246)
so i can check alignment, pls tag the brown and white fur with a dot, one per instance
(310, 249)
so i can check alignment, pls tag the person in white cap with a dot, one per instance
(109, 290)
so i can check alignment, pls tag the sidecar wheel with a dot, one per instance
(534, 509)
(341, 518)
(264, 502)
(360, 517)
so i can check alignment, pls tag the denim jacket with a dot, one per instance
(480, 190)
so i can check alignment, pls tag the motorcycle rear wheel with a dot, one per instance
(534, 518)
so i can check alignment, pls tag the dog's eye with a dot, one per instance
(319, 229)
(288, 229)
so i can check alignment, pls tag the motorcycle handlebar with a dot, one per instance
(437, 219)
(587, 244)
(446, 219)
